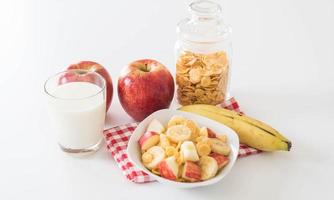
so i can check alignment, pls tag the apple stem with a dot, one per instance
(81, 72)
(145, 68)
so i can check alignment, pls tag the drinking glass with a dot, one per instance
(76, 102)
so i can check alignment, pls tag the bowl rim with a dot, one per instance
(217, 178)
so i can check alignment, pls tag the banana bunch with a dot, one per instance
(251, 132)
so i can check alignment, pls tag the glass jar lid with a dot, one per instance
(205, 23)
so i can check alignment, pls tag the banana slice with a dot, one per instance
(202, 139)
(223, 138)
(203, 132)
(176, 120)
(209, 167)
(147, 157)
(178, 133)
(189, 152)
(219, 146)
(153, 156)
(170, 151)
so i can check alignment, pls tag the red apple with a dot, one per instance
(81, 76)
(191, 171)
(144, 87)
(75, 76)
(148, 140)
(221, 159)
(169, 168)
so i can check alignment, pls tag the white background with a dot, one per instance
(282, 73)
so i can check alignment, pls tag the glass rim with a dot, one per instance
(73, 70)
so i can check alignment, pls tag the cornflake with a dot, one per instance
(202, 78)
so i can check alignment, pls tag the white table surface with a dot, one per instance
(282, 74)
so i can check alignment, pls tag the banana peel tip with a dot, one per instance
(289, 145)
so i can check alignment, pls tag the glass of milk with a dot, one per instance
(77, 107)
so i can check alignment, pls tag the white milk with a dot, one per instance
(78, 114)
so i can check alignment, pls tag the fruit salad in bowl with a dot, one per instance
(183, 149)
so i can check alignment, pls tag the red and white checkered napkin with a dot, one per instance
(117, 139)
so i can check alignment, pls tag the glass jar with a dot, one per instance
(203, 55)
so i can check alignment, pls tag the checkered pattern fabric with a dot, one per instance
(117, 139)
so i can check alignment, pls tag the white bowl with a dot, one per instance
(164, 116)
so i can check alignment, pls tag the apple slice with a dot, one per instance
(153, 156)
(169, 168)
(211, 133)
(189, 151)
(148, 139)
(155, 126)
(221, 159)
(191, 172)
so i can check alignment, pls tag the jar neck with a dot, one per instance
(205, 19)
(203, 47)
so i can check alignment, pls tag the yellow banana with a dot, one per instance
(251, 132)
(235, 115)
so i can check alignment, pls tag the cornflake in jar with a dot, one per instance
(202, 78)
